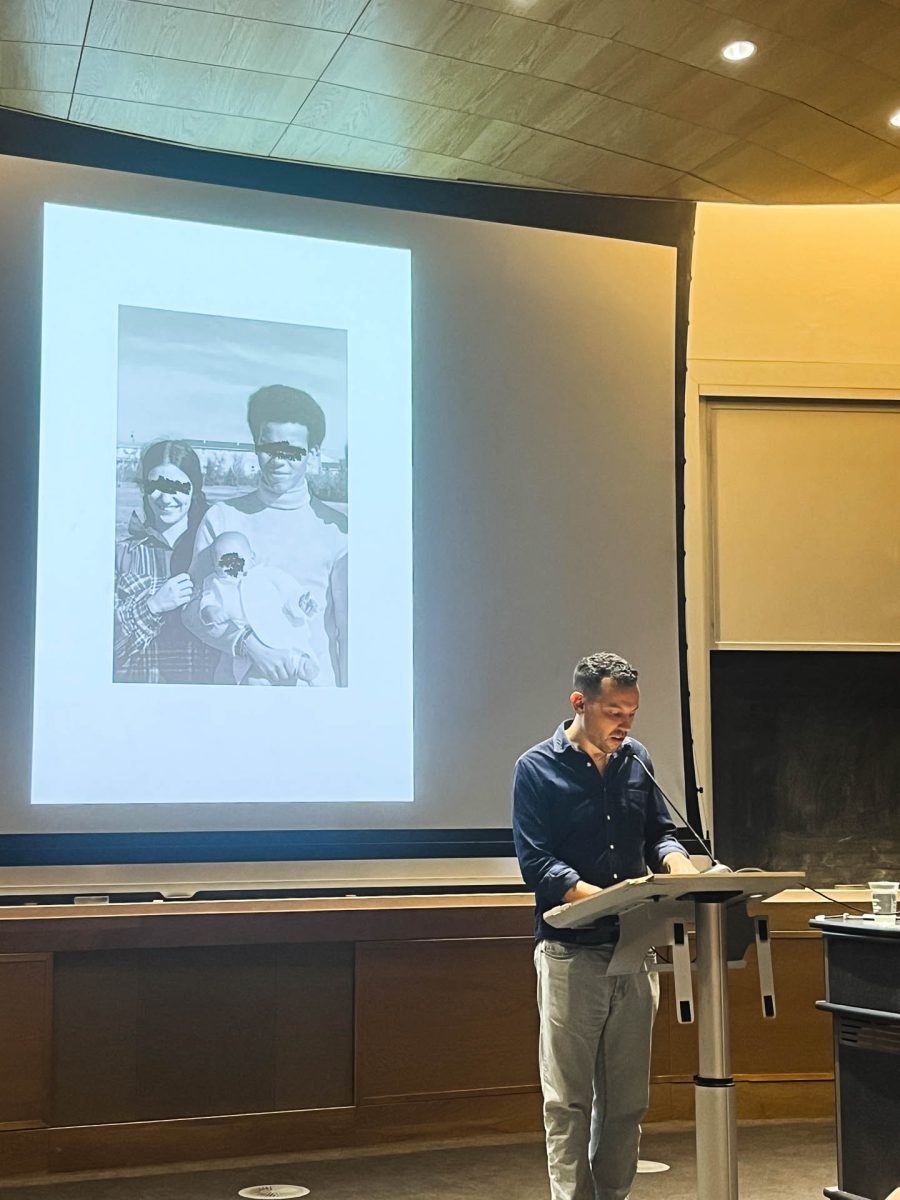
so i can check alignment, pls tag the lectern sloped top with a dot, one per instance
(725, 886)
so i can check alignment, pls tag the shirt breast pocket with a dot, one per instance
(635, 809)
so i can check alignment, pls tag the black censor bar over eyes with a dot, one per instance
(232, 564)
(161, 484)
(282, 450)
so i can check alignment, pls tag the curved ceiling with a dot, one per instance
(613, 96)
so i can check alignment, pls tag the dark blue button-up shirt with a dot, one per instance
(571, 822)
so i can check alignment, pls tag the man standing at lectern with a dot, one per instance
(585, 816)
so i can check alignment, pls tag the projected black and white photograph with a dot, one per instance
(206, 386)
(231, 502)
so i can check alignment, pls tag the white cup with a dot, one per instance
(884, 900)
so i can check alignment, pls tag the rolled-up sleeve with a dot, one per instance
(659, 828)
(547, 876)
(221, 635)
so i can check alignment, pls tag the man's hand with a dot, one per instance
(679, 864)
(278, 666)
(581, 891)
(306, 668)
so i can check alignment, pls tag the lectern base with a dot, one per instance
(661, 903)
(716, 1115)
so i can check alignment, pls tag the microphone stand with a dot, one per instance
(715, 867)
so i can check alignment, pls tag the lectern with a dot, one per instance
(658, 910)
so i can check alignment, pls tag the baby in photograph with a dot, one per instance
(264, 600)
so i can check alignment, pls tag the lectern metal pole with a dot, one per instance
(716, 1117)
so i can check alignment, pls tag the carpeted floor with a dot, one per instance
(779, 1161)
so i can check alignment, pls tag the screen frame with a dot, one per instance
(645, 220)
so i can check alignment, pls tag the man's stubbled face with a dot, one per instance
(282, 450)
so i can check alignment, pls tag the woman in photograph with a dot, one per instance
(152, 584)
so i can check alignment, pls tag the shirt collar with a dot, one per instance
(562, 745)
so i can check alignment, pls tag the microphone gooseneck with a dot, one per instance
(715, 865)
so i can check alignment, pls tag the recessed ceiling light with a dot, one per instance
(894, 119)
(738, 51)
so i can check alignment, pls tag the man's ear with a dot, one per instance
(577, 701)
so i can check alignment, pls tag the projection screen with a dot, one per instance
(491, 495)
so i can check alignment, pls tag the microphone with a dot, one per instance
(715, 866)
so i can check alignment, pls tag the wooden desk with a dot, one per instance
(145, 1033)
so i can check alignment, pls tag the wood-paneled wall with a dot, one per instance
(408, 1021)
(445, 1019)
(155, 1035)
(25, 1040)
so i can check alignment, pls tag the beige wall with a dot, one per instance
(807, 286)
(786, 303)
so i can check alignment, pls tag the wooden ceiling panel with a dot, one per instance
(177, 84)
(768, 178)
(59, 22)
(51, 104)
(864, 98)
(336, 15)
(824, 23)
(686, 31)
(503, 140)
(30, 66)
(712, 102)
(405, 123)
(883, 54)
(627, 129)
(595, 121)
(689, 187)
(310, 145)
(832, 147)
(239, 134)
(627, 96)
(630, 74)
(315, 145)
(478, 35)
(486, 174)
(795, 71)
(410, 74)
(847, 91)
(582, 167)
(534, 103)
(202, 37)
(604, 18)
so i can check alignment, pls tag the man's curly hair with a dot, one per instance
(592, 670)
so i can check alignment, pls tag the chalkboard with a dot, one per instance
(806, 762)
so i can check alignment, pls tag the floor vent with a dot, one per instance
(273, 1191)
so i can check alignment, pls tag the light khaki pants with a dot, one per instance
(595, 1068)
